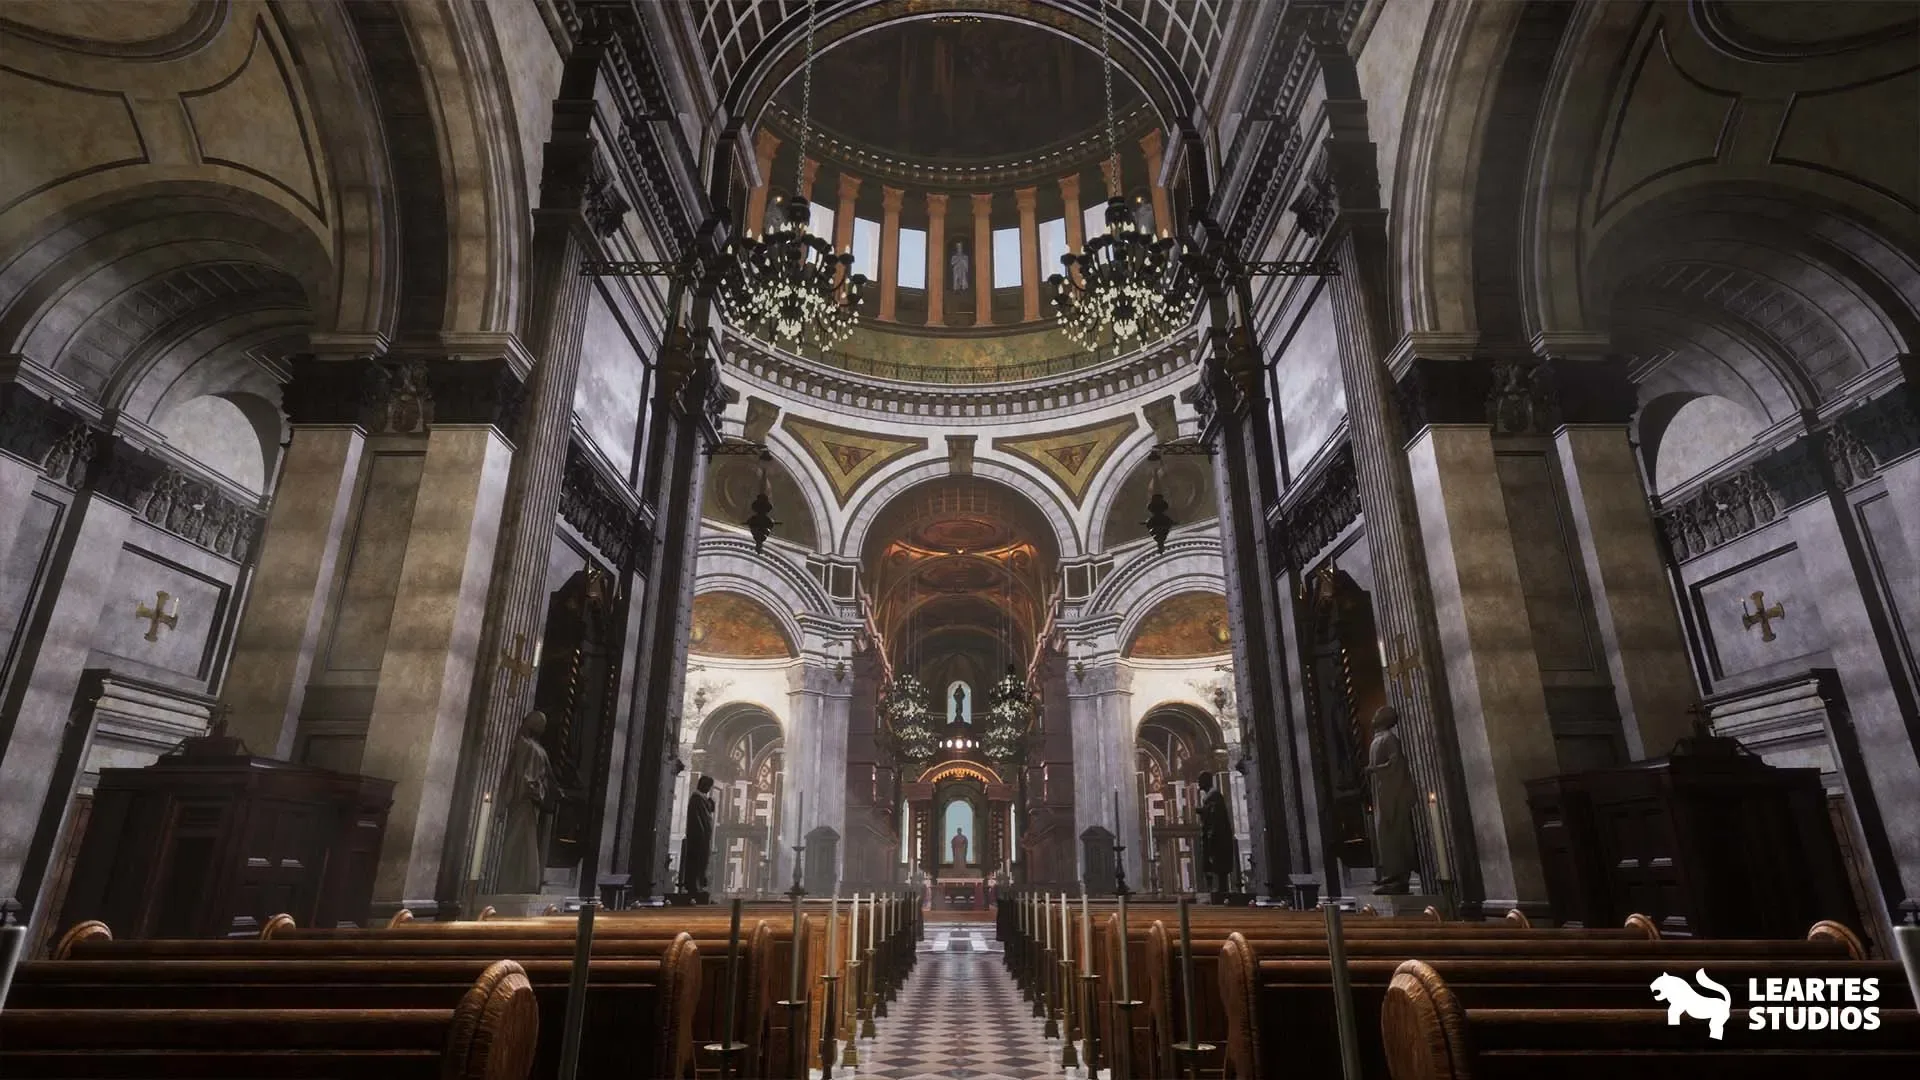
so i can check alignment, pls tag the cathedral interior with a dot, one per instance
(969, 488)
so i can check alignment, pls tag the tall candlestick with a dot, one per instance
(873, 918)
(1116, 815)
(853, 937)
(799, 819)
(1125, 992)
(733, 962)
(833, 931)
(1439, 839)
(1086, 934)
(1066, 932)
(1186, 970)
(1046, 920)
(793, 983)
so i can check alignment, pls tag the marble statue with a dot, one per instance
(696, 847)
(960, 268)
(1216, 838)
(1393, 799)
(959, 847)
(526, 787)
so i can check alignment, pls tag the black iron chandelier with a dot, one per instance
(789, 287)
(1125, 286)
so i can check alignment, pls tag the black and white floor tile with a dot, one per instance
(960, 1016)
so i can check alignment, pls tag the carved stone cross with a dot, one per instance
(158, 615)
(517, 664)
(1761, 615)
(1401, 667)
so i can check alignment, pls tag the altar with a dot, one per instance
(960, 892)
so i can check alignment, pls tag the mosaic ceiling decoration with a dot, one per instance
(848, 458)
(735, 626)
(1184, 626)
(1074, 457)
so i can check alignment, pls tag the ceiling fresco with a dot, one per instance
(730, 625)
(847, 457)
(1073, 457)
(1184, 626)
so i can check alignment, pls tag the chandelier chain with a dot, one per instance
(1106, 71)
(806, 110)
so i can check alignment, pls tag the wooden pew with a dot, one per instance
(1432, 1028)
(1277, 993)
(639, 1019)
(488, 1032)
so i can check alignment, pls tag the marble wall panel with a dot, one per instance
(199, 598)
(1737, 653)
(364, 607)
(1312, 398)
(611, 381)
(25, 563)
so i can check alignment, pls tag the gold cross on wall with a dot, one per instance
(518, 665)
(1762, 615)
(158, 615)
(1404, 663)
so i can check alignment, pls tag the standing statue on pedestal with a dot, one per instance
(527, 789)
(696, 848)
(960, 268)
(959, 847)
(1216, 840)
(1393, 798)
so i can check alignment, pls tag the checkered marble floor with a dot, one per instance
(960, 1016)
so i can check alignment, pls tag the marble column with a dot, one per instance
(287, 602)
(843, 214)
(434, 651)
(1153, 144)
(1100, 708)
(1344, 193)
(765, 145)
(1486, 643)
(982, 259)
(809, 176)
(890, 199)
(1026, 199)
(1632, 596)
(818, 709)
(1110, 175)
(49, 658)
(580, 203)
(1076, 227)
(936, 259)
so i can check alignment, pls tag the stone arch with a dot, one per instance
(1684, 435)
(1189, 563)
(1065, 535)
(729, 562)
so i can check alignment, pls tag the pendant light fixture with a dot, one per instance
(1125, 287)
(789, 287)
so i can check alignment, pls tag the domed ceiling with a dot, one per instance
(960, 90)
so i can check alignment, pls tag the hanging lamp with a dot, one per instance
(1124, 287)
(789, 287)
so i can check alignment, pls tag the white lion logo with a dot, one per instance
(1680, 997)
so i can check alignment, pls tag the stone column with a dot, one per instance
(48, 663)
(809, 176)
(765, 145)
(580, 202)
(1076, 228)
(1026, 199)
(434, 651)
(936, 259)
(1100, 706)
(890, 198)
(843, 215)
(1152, 144)
(1632, 596)
(818, 709)
(1486, 643)
(1341, 205)
(287, 602)
(1110, 175)
(982, 259)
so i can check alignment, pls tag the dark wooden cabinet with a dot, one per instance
(1708, 841)
(211, 842)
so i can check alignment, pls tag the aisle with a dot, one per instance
(960, 1015)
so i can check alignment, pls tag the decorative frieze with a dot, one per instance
(593, 503)
(1514, 395)
(192, 509)
(39, 431)
(402, 397)
(1736, 504)
(1324, 507)
(1872, 434)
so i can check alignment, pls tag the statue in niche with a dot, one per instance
(572, 688)
(526, 790)
(959, 844)
(959, 715)
(1216, 840)
(1393, 799)
(960, 268)
(696, 848)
